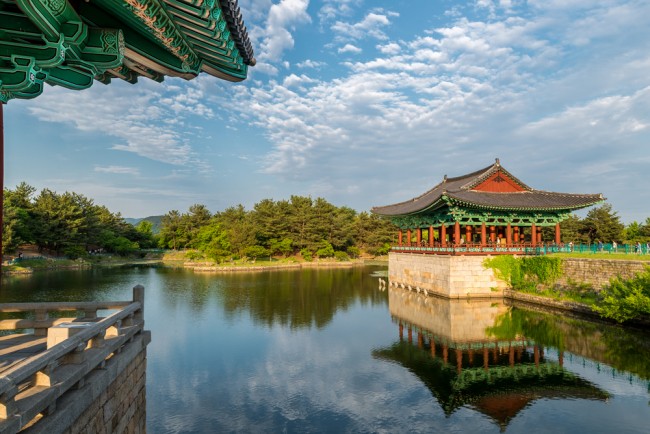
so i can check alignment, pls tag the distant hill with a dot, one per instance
(154, 219)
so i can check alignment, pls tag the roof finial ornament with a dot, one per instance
(497, 162)
(444, 179)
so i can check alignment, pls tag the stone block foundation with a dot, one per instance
(445, 275)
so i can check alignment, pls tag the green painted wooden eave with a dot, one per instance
(455, 201)
(72, 46)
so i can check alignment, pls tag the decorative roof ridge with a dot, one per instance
(238, 31)
(488, 171)
(470, 175)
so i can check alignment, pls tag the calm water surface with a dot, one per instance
(326, 351)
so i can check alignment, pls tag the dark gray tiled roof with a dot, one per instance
(459, 189)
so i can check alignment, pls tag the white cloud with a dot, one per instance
(371, 26)
(146, 119)
(310, 64)
(282, 18)
(349, 48)
(391, 48)
(430, 103)
(120, 170)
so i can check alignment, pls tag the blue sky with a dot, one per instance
(364, 103)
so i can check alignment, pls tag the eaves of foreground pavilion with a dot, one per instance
(73, 43)
(486, 211)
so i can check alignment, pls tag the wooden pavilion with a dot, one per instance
(489, 211)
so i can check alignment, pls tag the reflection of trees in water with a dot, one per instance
(295, 298)
(622, 348)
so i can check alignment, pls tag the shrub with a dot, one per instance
(341, 256)
(353, 251)
(306, 254)
(325, 250)
(74, 252)
(624, 299)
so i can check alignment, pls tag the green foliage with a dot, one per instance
(527, 272)
(67, 223)
(74, 252)
(341, 256)
(624, 299)
(256, 251)
(353, 251)
(283, 247)
(603, 224)
(213, 242)
(306, 254)
(325, 250)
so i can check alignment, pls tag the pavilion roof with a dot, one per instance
(473, 191)
(72, 43)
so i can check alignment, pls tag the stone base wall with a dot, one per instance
(597, 272)
(121, 408)
(110, 400)
(445, 275)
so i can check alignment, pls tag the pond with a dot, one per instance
(325, 350)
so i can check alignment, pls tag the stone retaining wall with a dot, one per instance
(446, 275)
(111, 400)
(121, 408)
(597, 272)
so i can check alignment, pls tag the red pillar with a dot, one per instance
(539, 236)
(443, 235)
(557, 234)
(430, 236)
(468, 234)
(457, 233)
(516, 238)
(493, 234)
(408, 237)
(399, 237)
(533, 234)
(418, 236)
(483, 235)
(508, 235)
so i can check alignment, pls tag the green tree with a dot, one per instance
(238, 223)
(603, 224)
(573, 230)
(170, 227)
(212, 241)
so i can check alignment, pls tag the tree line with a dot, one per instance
(71, 224)
(300, 225)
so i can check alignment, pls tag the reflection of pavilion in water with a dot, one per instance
(444, 343)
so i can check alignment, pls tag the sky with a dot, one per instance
(364, 103)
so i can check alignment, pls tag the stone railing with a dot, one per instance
(75, 348)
